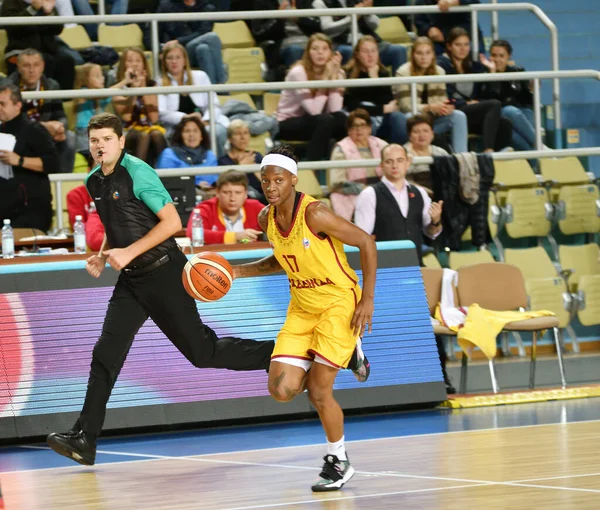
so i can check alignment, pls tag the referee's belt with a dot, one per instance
(135, 270)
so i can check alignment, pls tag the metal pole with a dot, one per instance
(155, 48)
(101, 8)
(58, 196)
(537, 114)
(354, 31)
(413, 98)
(475, 35)
(212, 122)
(495, 31)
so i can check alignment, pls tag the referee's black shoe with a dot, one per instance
(76, 445)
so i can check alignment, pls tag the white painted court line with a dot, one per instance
(202, 459)
(556, 478)
(320, 500)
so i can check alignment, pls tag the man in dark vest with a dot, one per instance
(394, 210)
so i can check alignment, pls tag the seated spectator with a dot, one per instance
(91, 77)
(359, 144)
(420, 133)
(347, 183)
(238, 136)
(313, 115)
(339, 30)
(431, 97)
(515, 96)
(83, 8)
(203, 45)
(378, 101)
(230, 217)
(50, 113)
(25, 198)
(190, 147)
(176, 70)
(79, 203)
(60, 62)
(145, 138)
(270, 33)
(483, 115)
(438, 26)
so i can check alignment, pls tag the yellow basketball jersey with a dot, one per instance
(316, 267)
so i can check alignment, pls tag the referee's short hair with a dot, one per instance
(106, 120)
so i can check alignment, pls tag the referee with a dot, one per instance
(140, 220)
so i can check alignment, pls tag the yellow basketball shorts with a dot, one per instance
(327, 334)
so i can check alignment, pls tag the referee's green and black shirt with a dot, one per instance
(127, 201)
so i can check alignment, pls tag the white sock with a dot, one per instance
(338, 449)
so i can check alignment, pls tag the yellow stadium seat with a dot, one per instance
(244, 65)
(578, 209)
(69, 107)
(76, 37)
(514, 173)
(309, 184)
(234, 34)
(430, 260)
(458, 259)
(584, 281)
(121, 37)
(238, 96)
(527, 213)
(391, 29)
(563, 170)
(3, 43)
(545, 288)
(270, 102)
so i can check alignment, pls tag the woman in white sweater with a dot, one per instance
(176, 70)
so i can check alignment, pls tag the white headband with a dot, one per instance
(280, 160)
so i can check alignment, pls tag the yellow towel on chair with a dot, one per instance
(481, 327)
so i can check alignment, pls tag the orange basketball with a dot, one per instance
(207, 276)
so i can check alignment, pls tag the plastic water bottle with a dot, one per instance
(79, 235)
(197, 229)
(8, 241)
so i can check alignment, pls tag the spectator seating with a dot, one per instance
(546, 285)
(76, 37)
(121, 37)
(458, 259)
(234, 34)
(244, 66)
(3, 43)
(309, 184)
(391, 29)
(584, 281)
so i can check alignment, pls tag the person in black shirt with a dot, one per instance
(140, 220)
(25, 198)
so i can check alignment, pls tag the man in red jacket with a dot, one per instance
(230, 217)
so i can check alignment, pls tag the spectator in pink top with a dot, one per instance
(314, 115)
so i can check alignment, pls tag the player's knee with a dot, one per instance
(318, 396)
(283, 392)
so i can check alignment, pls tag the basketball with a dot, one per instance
(207, 276)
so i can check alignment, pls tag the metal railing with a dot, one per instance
(58, 179)
(154, 19)
(536, 76)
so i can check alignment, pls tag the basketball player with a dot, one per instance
(327, 314)
(140, 220)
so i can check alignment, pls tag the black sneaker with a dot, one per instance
(74, 445)
(359, 364)
(334, 475)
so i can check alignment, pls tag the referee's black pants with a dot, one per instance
(159, 294)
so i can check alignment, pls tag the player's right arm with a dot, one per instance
(96, 263)
(268, 265)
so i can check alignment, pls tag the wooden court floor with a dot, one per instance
(554, 466)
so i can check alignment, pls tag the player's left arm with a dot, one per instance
(321, 219)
